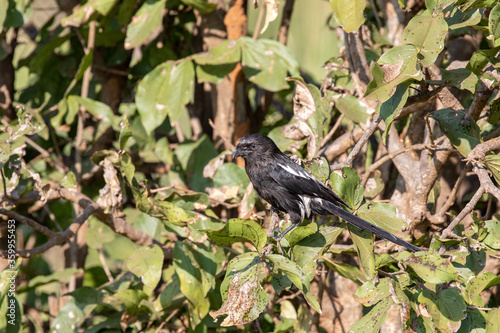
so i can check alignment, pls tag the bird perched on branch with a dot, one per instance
(291, 189)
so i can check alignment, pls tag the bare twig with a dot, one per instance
(439, 216)
(116, 223)
(105, 265)
(259, 21)
(448, 232)
(30, 222)
(332, 131)
(357, 148)
(384, 159)
(61, 238)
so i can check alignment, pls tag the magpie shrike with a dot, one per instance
(291, 189)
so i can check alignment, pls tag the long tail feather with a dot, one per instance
(364, 225)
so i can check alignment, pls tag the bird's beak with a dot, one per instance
(236, 153)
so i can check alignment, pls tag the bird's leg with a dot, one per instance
(280, 237)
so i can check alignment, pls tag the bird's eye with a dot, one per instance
(253, 146)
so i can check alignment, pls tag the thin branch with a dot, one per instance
(30, 222)
(63, 237)
(84, 93)
(390, 156)
(105, 265)
(332, 131)
(439, 216)
(448, 232)
(357, 148)
(259, 21)
(116, 223)
(46, 154)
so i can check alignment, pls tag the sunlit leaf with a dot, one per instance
(146, 24)
(349, 13)
(239, 230)
(373, 320)
(146, 263)
(432, 268)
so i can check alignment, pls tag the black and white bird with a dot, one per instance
(291, 189)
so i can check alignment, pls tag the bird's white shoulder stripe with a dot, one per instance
(300, 173)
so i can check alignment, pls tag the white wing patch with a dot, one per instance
(301, 173)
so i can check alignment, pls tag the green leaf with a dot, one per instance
(98, 234)
(349, 13)
(190, 279)
(69, 318)
(131, 299)
(146, 24)
(164, 92)
(390, 109)
(480, 58)
(438, 6)
(307, 251)
(97, 109)
(202, 6)
(363, 240)
(239, 230)
(447, 309)
(63, 276)
(492, 163)
(226, 53)
(193, 157)
(474, 287)
(373, 320)
(147, 263)
(494, 24)
(319, 168)
(369, 293)
(452, 305)
(492, 239)
(296, 275)
(163, 210)
(102, 6)
(125, 133)
(382, 215)
(266, 63)
(493, 321)
(213, 73)
(395, 66)
(348, 186)
(230, 174)
(79, 16)
(426, 31)
(4, 6)
(462, 78)
(352, 107)
(432, 268)
(458, 19)
(463, 132)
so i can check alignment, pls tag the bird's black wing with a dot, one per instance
(295, 179)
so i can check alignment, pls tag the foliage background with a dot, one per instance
(118, 118)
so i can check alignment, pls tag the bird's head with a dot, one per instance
(254, 145)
